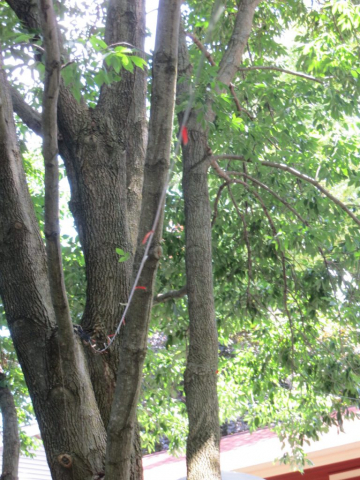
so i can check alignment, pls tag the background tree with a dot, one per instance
(11, 439)
(272, 122)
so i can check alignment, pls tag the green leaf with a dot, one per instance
(138, 61)
(97, 43)
(123, 256)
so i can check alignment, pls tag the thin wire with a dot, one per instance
(219, 8)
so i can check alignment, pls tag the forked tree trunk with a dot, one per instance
(63, 399)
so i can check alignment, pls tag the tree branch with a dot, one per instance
(27, 12)
(225, 175)
(246, 237)
(217, 199)
(297, 174)
(28, 115)
(283, 70)
(134, 339)
(237, 103)
(265, 187)
(50, 152)
(233, 55)
(201, 47)
(170, 295)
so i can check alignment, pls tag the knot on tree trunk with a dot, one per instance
(65, 460)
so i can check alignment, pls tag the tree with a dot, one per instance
(84, 393)
(11, 439)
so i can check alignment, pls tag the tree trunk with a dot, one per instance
(63, 399)
(202, 454)
(11, 439)
(134, 338)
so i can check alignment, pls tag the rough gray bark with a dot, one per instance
(202, 455)
(134, 338)
(11, 439)
(63, 399)
(50, 152)
(104, 150)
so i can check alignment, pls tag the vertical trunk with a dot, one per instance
(63, 399)
(134, 338)
(202, 454)
(203, 462)
(11, 439)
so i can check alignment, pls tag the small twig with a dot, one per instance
(217, 199)
(247, 241)
(237, 103)
(126, 44)
(201, 47)
(170, 295)
(67, 64)
(28, 44)
(297, 174)
(225, 175)
(284, 70)
(249, 52)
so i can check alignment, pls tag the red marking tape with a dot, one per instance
(147, 236)
(184, 135)
(140, 288)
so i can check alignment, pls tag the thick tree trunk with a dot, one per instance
(11, 439)
(134, 338)
(63, 399)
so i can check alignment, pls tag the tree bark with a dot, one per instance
(202, 455)
(11, 439)
(63, 399)
(134, 337)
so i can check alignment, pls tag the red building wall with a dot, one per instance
(324, 472)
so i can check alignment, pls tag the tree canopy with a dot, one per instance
(256, 292)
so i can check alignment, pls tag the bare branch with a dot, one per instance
(283, 70)
(50, 152)
(134, 340)
(170, 295)
(28, 115)
(201, 47)
(297, 174)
